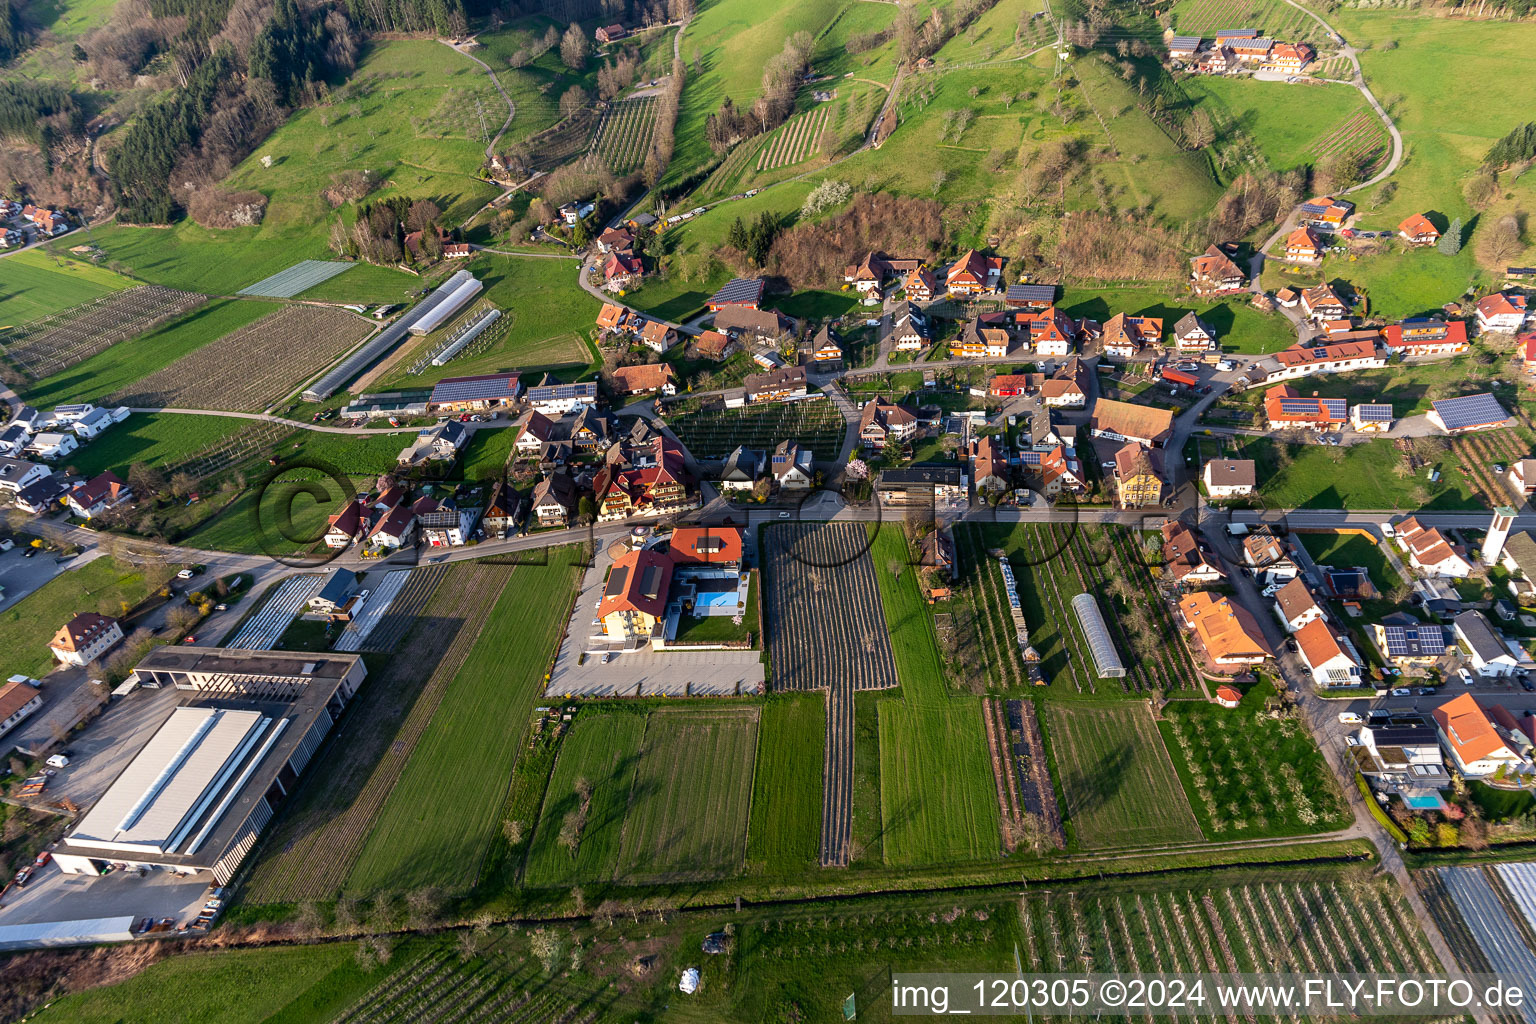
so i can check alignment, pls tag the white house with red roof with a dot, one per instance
(1429, 550)
(85, 638)
(1418, 230)
(98, 494)
(1501, 311)
(973, 274)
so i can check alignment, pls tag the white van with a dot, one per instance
(1349, 718)
(58, 761)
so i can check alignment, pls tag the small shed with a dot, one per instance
(1228, 696)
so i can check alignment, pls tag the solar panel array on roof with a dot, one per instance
(741, 289)
(1374, 413)
(1405, 641)
(470, 389)
(1029, 458)
(1031, 293)
(1469, 411)
(555, 392)
(1333, 407)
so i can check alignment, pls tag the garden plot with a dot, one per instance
(255, 366)
(57, 342)
(826, 628)
(365, 622)
(1116, 779)
(624, 135)
(815, 425)
(300, 277)
(262, 630)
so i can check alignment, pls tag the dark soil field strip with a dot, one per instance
(313, 849)
(826, 629)
(403, 610)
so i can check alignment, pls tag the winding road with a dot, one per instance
(490, 148)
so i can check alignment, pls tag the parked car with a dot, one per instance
(1528, 686)
(783, 515)
(1464, 676)
(1349, 718)
(189, 639)
(1426, 691)
(185, 574)
(58, 761)
(1401, 691)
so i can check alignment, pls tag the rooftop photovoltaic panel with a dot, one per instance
(468, 389)
(1469, 411)
(1333, 407)
(1029, 458)
(741, 289)
(1031, 293)
(557, 391)
(1374, 413)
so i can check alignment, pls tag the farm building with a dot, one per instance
(783, 385)
(474, 394)
(745, 292)
(743, 322)
(1326, 212)
(1106, 660)
(1468, 413)
(197, 795)
(973, 273)
(1184, 47)
(1337, 357)
(1030, 296)
(1214, 273)
(450, 297)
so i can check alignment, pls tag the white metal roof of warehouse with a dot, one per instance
(174, 781)
(1469, 411)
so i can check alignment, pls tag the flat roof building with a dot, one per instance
(197, 795)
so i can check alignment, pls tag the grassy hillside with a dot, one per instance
(33, 285)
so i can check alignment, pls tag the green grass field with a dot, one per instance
(1248, 776)
(1350, 549)
(231, 529)
(1239, 327)
(1117, 782)
(486, 454)
(1357, 477)
(158, 439)
(102, 585)
(549, 314)
(938, 800)
(687, 816)
(1455, 87)
(442, 815)
(356, 454)
(786, 786)
(282, 983)
(408, 113)
(122, 364)
(33, 286)
(602, 750)
(731, 41)
(1281, 122)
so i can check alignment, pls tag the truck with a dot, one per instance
(1175, 376)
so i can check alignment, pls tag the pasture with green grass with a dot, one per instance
(1117, 783)
(785, 827)
(582, 821)
(157, 439)
(102, 585)
(121, 365)
(33, 284)
(439, 821)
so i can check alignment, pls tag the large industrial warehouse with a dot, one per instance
(197, 795)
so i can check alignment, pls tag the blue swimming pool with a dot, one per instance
(1424, 803)
(715, 599)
